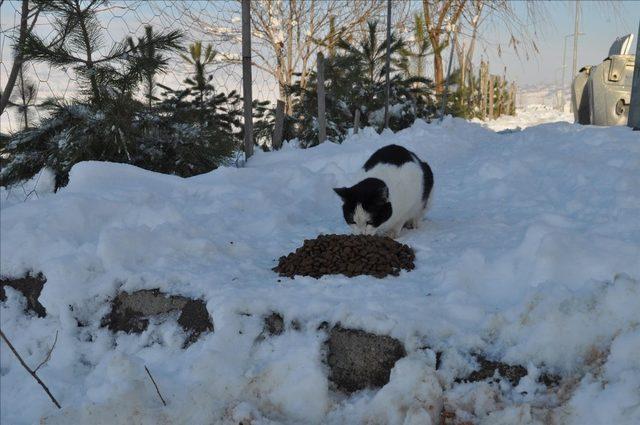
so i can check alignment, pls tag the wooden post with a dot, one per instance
(503, 93)
(491, 77)
(509, 100)
(512, 105)
(356, 122)
(634, 109)
(278, 129)
(498, 104)
(504, 107)
(501, 99)
(483, 90)
(322, 120)
(246, 79)
(388, 67)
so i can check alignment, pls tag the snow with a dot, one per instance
(527, 116)
(42, 184)
(536, 105)
(530, 253)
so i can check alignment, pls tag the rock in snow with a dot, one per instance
(359, 359)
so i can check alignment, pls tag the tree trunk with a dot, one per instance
(25, 112)
(17, 62)
(289, 67)
(438, 73)
(434, 20)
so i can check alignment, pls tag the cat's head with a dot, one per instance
(366, 205)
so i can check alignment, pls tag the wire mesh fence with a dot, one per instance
(215, 23)
(286, 36)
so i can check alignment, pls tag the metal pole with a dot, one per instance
(575, 39)
(322, 119)
(564, 66)
(388, 70)
(446, 81)
(634, 109)
(278, 129)
(246, 79)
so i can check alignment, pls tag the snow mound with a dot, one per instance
(530, 254)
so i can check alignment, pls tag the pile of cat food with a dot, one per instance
(350, 255)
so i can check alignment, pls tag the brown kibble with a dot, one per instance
(350, 255)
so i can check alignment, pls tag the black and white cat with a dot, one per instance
(393, 194)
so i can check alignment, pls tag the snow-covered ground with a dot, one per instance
(536, 105)
(528, 116)
(530, 254)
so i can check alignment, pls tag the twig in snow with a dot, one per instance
(31, 372)
(155, 385)
(33, 190)
(46, 359)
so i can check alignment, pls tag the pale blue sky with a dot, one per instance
(601, 24)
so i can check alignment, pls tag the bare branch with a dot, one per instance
(46, 359)
(25, 29)
(31, 372)
(155, 385)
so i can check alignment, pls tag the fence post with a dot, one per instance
(278, 129)
(503, 93)
(246, 79)
(388, 67)
(491, 96)
(499, 94)
(322, 120)
(356, 121)
(634, 109)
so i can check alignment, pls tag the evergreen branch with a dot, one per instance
(36, 50)
(163, 41)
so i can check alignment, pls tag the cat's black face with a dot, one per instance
(366, 205)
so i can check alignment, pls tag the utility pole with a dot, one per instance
(575, 39)
(564, 63)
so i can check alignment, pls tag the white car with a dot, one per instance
(601, 94)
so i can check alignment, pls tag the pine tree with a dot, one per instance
(214, 115)
(106, 122)
(355, 79)
(79, 38)
(152, 62)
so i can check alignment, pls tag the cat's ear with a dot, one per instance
(342, 192)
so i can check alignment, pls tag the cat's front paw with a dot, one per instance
(393, 233)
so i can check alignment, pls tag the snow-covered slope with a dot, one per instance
(530, 253)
